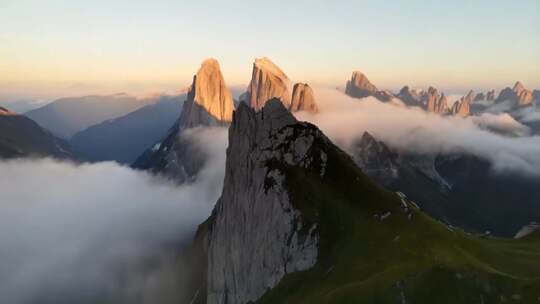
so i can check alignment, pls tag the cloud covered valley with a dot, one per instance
(101, 232)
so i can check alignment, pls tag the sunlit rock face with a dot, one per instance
(303, 99)
(433, 101)
(462, 107)
(359, 86)
(267, 81)
(209, 102)
(256, 235)
(519, 95)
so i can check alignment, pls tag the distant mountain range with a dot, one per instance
(514, 100)
(66, 116)
(22, 137)
(459, 189)
(125, 138)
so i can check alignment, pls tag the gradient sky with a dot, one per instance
(65, 47)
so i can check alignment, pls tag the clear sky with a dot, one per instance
(62, 47)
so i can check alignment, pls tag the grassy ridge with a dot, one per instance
(363, 259)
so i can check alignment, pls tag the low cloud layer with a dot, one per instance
(100, 232)
(344, 119)
(502, 123)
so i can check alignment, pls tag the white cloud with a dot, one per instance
(344, 119)
(72, 230)
(502, 123)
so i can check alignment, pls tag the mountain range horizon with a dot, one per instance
(246, 152)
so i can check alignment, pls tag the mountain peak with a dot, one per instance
(273, 116)
(258, 235)
(266, 64)
(408, 96)
(359, 86)
(303, 99)
(267, 81)
(209, 102)
(518, 87)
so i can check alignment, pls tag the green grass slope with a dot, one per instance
(407, 257)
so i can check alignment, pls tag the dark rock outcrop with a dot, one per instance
(408, 96)
(257, 236)
(490, 95)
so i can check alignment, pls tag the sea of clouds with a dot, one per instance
(495, 137)
(110, 234)
(72, 233)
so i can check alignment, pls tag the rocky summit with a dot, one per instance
(209, 102)
(519, 95)
(359, 86)
(303, 99)
(433, 101)
(255, 212)
(408, 96)
(267, 81)
(462, 107)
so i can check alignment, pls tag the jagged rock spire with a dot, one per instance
(303, 99)
(462, 107)
(267, 81)
(256, 237)
(209, 102)
(518, 94)
(408, 96)
(359, 86)
(433, 101)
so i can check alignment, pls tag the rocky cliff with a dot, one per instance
(257, 235)
(359, 86)
(430, 100)
(433, 101)
(462, 107)
(303, 99)
(519, 95)
(209, 102)
(267, 81)
(408, 96)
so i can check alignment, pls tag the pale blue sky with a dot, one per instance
(114, 45)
